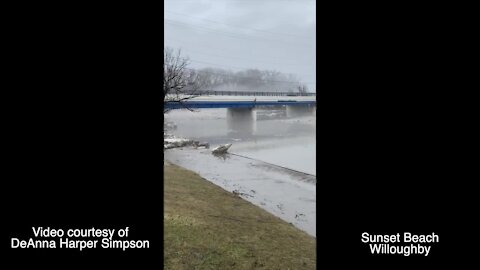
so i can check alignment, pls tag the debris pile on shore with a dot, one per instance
(176, 142)
(172, 142)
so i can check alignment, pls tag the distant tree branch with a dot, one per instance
(179, 82)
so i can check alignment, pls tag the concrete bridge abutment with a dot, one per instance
(242, 120)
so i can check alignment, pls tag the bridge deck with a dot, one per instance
(242, 101)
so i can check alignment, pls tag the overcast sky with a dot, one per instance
(240, 34)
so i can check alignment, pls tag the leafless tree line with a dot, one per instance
(250, 80)
(180, 83)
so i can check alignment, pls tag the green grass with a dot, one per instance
(207, 227)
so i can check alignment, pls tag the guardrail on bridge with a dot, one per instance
(245, 93)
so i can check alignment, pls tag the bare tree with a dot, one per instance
(179, 82)
(302, 89)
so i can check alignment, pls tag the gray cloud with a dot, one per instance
(275, 35)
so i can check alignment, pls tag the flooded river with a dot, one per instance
(272, 166)
(285, 142)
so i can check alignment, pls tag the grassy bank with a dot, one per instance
(207, 227)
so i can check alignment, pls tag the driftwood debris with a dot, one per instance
(222, 149)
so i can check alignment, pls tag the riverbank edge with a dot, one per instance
(206, 226)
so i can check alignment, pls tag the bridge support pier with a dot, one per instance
(299, 111)
(242, 120)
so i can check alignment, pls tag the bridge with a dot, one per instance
(241, 106)
(238, 99)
